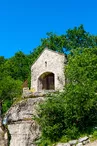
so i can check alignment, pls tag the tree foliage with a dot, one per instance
(82, 87)
(79, 38)
(51, 118)
(10, 89)
(74, 110)
(18, 66)
(74, 38)
(16, 70)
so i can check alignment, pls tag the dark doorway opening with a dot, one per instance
(46, 81)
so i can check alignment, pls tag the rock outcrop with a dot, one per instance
(3, 135)
(80, 142)
(22, 128)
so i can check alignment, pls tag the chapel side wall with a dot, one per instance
(55, 64)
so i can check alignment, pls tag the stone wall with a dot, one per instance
(49, 61)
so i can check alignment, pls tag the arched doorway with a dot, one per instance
(46, 81)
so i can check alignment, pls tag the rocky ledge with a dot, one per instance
(22, 128)
(80, 142)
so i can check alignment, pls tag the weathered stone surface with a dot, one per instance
(83, 139)
(23, 110)
(63, 144)
(85, 142)
(73, 142)
(92, 143)
(27, 92)
(79, 144)
(3, 137)
(24, 131)
(48, 61)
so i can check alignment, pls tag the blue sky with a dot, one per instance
(24, 22)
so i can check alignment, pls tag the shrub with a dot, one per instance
(51, 118)
(73, 111)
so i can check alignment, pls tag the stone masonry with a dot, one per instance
(48, 69)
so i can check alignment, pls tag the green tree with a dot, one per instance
(18, 66)
(2, 60)
(79, 38)
(82, 87)
(75, 109)
(10, 89)
(54, 42)
(51, 118)
(72, 39)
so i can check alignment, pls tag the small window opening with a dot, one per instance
(45, 63)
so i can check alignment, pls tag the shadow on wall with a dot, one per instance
(46, 81)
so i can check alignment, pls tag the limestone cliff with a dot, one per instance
(23, 130)
(3, 136)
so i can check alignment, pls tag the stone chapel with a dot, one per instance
(47, 72)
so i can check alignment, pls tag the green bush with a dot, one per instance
(6, 105)
(10, 89)
(72, 132)
(43, 142)
(95, 134)
(73, 111)
(51, 118)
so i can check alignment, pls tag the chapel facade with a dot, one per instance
(47, 72)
